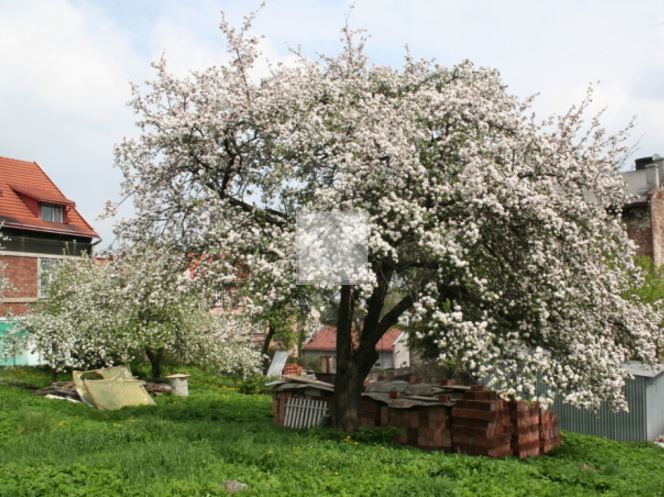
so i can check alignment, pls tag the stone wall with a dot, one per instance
(639, 228)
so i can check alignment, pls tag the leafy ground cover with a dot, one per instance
(188, 447)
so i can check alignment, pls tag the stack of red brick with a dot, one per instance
(526, 429)
(369, 412)
(426, 427)
(292, 370)
(549, 432)
(484, 424)
(279, 400)
(481, 424)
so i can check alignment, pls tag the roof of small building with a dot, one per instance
(325, 340)
(640, 184)
(21, 180)
(637, 368)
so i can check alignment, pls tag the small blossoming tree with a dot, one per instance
(136, 305)
(502, 235)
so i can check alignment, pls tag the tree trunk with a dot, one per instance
(155, 358)
(346, 398)
(266, 347)
(348, 384)
(353, 365)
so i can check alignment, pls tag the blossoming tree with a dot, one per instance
(501, 234)
(136, 305)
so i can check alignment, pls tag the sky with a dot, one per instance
(65, 65)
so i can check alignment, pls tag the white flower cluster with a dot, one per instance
(502, 234)
(103, 314)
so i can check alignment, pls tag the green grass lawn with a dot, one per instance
(188, 447)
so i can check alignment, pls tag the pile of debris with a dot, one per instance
(449, 417)
(106, 389)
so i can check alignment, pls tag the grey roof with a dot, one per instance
(641, 183)
(637, 368)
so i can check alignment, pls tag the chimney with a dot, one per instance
(644, 162)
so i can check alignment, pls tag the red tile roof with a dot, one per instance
(22, 182)
(42, 195)
(325, 340)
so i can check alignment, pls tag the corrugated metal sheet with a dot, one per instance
(629, 426)
(655, 406)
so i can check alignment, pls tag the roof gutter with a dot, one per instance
(29, 227)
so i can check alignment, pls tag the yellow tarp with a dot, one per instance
(111, 388)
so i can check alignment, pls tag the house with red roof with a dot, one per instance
(40, 226)
(392, 348)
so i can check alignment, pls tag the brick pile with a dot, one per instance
(481, 424)
(279, 400)
(525, 428)
(292, 370)
(369, 412)
(426, 427)
(549, 431)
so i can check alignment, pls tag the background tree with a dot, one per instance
(500, 232)
(139, 304)
(650, 289)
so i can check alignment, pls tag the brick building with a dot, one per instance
(644, 213)
(41, 227)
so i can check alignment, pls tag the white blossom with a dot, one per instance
(112, 313)
(503, 233)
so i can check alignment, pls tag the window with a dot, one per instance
(52, 213)
(47, 269)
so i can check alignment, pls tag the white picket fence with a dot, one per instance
(302, 412)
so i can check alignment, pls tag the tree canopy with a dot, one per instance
(500, 233)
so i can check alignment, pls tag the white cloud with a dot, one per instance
(184, 50)
(554, 48)
(64, 84)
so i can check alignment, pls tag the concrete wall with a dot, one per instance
(401, 352)
(385, 360)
